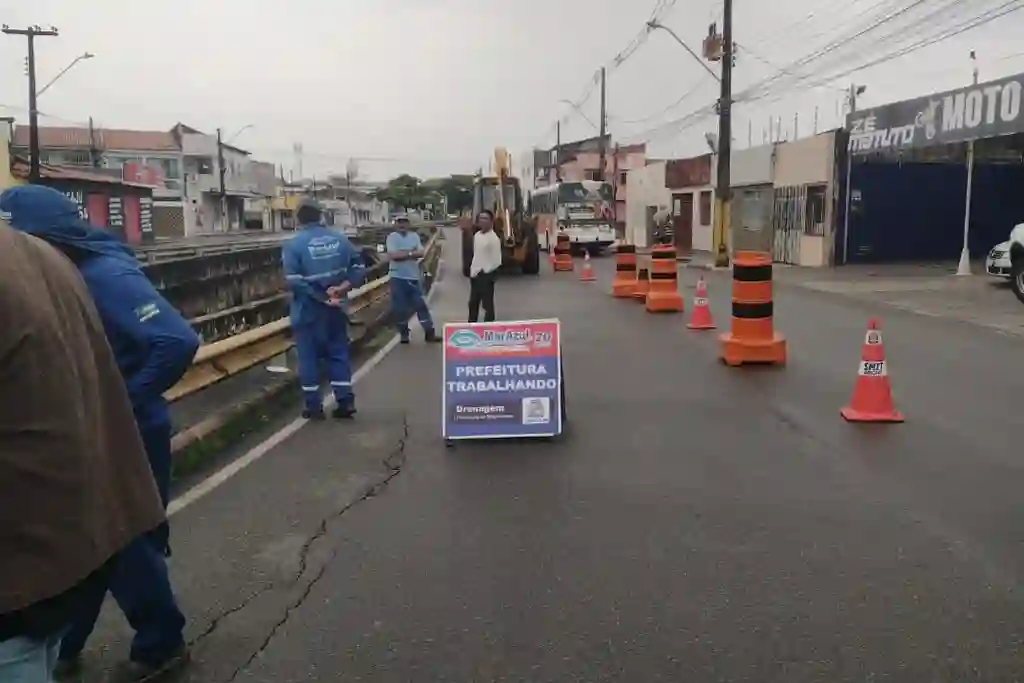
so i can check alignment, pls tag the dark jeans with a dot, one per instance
(481, 291)
(406, 299)
(140, 583)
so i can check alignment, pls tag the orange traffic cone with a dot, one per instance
(587, 274)
(872, 395)
(701, 317)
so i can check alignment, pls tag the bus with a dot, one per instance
(582, 210)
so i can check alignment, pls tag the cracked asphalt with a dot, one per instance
(697, 523)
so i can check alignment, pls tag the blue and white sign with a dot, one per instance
(502, 380)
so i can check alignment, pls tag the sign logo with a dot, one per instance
(498, 341)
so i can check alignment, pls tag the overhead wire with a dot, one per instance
(758, 92)
(661, 9)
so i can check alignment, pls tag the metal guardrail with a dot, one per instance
(368, 306)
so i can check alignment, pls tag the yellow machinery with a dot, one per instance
(502, 194)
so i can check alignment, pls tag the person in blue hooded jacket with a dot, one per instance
(321, 266)
(153, 346)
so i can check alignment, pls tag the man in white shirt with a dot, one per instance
(484, 268)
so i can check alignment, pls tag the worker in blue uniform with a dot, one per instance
(321, 267)
(153, 346)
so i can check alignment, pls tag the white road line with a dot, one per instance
(222, 475)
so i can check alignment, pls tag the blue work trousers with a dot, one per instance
(321, 342)
(140, 583)
(406, 299)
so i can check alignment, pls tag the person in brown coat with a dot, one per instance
(75, 483)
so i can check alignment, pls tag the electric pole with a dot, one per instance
(30, 34)
(602, 143)
(558, 152)
(723, 188)
(222, 172)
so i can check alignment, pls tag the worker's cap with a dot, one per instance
(401, 219)
(308, 203)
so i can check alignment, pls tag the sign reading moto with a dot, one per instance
(980, 111)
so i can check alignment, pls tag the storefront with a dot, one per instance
(909, 175)
(124, 209)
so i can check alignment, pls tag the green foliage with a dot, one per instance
(409, 192)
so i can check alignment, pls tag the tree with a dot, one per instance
(457, 190)
(404, 191)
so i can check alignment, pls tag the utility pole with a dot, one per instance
(558, 152)
(222, 172)
(723, 189)
(602, 143)
(30, 34)
(94, 151)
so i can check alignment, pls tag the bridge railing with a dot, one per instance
(368, 310)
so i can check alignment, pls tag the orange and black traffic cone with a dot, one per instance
(587, 274)
(701, 317)
(872, 394)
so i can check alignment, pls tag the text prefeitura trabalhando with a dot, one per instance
(501, 378)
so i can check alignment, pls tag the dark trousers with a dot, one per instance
(406, 299)
(481, 291)
(140, 583)
(324, 342)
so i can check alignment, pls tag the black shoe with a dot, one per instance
(136, 671)
(312, 414)
(432, 338)
(403, 340)
(344, 412)
(69, 669)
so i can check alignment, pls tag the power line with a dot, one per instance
(661, 9)
(688, 120)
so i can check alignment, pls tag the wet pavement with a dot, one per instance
(696, 523)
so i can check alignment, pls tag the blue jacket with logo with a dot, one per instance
(315, 259)
(152, 343)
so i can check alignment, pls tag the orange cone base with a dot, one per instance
(624, 290)
(736, 352)
(851, 415)
(640, 295)
(588, 277)
(564, 267)
(664, 302)
(701, 326)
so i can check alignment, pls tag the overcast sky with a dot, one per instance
(431, 86)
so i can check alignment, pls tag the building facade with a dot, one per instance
(803, 211)
(150, 158)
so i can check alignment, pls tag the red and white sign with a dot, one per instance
(142, 174)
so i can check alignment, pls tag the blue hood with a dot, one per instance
(53, 217)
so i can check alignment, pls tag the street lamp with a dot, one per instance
(653, 25)
(239, 132)
(76, 60)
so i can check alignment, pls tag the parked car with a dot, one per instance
(997, 263)
(1016, 250)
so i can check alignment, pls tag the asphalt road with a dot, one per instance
(697, 523)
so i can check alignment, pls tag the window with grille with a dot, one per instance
(814, 223)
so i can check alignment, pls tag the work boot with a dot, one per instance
(403, 340)
(69, 669)
(135, 671)
(309, 414)
(345, 410)
(431, 337)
